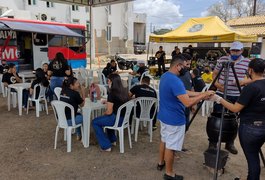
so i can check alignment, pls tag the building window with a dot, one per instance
(75, 8)
(76, 21)
(87, 8)
(108, 35)
(53, 19)
(88, 29)
(49, 4)
(31, 2)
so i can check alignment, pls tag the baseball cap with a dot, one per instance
(236, 46)
(141, 62)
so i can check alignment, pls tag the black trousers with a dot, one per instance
(161, 63)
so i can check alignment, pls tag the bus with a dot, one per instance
(30, 43)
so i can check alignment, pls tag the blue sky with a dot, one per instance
(171, 13)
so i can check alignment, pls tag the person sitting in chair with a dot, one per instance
(144, 90)
(137, 75)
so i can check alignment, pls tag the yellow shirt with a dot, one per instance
(207, 78)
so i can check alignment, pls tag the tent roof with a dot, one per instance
(205, 29)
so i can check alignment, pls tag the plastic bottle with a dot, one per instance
(94, 96)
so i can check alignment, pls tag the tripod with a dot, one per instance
(225, 65)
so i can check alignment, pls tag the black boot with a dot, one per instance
(231, 148)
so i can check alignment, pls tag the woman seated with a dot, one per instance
(70, 95)
(40, 79)
(116, 97)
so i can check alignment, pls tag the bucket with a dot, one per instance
(210, 158)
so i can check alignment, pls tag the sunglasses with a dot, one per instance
(235, 50)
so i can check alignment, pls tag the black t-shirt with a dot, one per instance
(143, 90)
(141, 70)
(34, 82)
(3, 69)
(187, 80)
(72, 97)
(253, 98)
(198, 84)
(106, 71)
(116, 103)
(58, 68)
(161, 55)
(174, 53)
(9, 78)
(113, 69)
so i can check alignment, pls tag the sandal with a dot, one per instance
(160, 167)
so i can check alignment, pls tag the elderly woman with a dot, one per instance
(116, 97)
(251, 105)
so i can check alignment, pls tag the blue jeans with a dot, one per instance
(78, 120)
(251, 139)
(105, 139)
(56, 82)
(25, 97)
(135, 80)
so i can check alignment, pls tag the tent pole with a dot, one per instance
(148, 46)
(91, 39)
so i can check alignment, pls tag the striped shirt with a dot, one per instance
(241, 68)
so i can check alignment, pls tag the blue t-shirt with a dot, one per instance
(171, 109)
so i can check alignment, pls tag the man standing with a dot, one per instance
(241, 67)
(175, 52)
(186, 78)
(161, 56)
(173, 100)
(144, 90)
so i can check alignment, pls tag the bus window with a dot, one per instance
(40, 39)
(56, 41)
(12, 42)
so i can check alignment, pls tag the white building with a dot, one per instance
(113, 25)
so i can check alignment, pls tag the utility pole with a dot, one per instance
(254, 7)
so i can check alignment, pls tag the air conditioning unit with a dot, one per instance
(44, 17)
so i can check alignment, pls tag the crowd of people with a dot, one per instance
(180, 89)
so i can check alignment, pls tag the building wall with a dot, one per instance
(121, 19)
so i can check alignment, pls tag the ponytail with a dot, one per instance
(68, 82)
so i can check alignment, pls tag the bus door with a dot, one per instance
(40, 50)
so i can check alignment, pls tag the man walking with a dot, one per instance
(173, 100)
(161, 56)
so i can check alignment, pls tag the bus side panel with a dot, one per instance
(10, 53)
(76, 60)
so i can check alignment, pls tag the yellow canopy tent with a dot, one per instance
(205, 29)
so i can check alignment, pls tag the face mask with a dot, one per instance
(206, 71)
(182, 71)
(249, 75)
(235, 57)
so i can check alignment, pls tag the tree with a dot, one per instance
(229, 9)
(162, 31)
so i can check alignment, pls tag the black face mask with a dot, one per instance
(206, 71)
(182, 72)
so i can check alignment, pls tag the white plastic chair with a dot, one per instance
(206, 104)
(59, 113)
(146, 73)
(103, 91)
(145, 104)
(125, 124)
(38, 99)
(85, 76)
(102, 78)
(57, 92)
(13, 94)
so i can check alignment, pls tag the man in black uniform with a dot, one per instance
(144, 90)
(161, 56)
(197, 80)
(175, 52)
(3, 67)
(11, 76)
